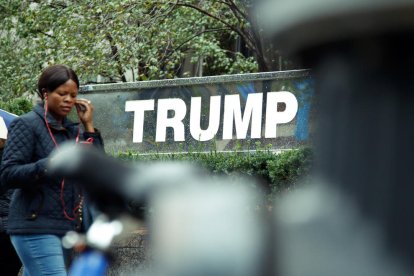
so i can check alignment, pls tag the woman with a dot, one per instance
(43, 209)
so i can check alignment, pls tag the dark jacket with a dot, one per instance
(37, 203)
(4, 205)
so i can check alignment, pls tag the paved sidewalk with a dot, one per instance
(130, 255)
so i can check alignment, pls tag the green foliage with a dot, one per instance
(289, 168)
(110, 39)
(17, 106)
(278, 172)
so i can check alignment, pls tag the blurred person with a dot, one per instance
(43, 209)
(9, 261)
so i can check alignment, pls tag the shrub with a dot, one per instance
(289, 168)
(17, 106)
(278, 172)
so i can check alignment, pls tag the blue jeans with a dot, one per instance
(40, 254)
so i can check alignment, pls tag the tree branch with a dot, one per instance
(188, 40)
(249, 41)
(115, 55)
(232, 5)
(44, 33)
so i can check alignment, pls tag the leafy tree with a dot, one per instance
(123, 40)
(233, 16)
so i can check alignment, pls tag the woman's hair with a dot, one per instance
(53, 77)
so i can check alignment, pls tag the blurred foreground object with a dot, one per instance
(357, 219)
(198, 224)
(302, 24)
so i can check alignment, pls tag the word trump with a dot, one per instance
(232, 116)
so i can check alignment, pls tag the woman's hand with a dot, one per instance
(84, 108)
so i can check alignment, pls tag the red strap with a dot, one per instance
(62, 184)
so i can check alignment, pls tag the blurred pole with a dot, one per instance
(361, 55)
(366, 98)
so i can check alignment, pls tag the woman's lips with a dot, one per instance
(66, 108)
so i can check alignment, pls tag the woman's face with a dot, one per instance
(61, 100)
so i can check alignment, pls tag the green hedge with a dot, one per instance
(17, 106)
(278, 172)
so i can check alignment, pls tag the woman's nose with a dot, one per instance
(69, 99)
